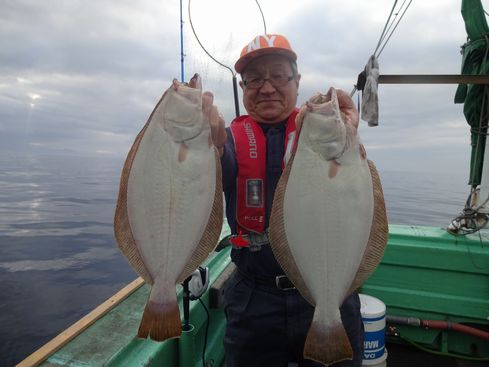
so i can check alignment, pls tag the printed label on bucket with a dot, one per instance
(374, 344)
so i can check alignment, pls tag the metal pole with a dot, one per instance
(235, 90)
(181, 44)
(186, 306)
(433, 79)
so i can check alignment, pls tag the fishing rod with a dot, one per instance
(235, 82)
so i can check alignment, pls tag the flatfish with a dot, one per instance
(169, 212)
(328, 225)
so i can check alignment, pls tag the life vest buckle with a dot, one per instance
(254, 241)
(257, 240)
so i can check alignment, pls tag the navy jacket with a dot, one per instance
(261, 263)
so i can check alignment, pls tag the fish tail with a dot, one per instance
(327, 344)
(160, 321)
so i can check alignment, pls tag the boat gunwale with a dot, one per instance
(63, 338)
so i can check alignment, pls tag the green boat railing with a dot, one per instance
(425, 273)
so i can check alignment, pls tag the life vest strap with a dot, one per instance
(253, 241)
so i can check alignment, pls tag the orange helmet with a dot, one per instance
(262, 45)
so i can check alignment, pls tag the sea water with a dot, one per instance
(58, 256)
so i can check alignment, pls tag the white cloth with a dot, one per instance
(370, 99)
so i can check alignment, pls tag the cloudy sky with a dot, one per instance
(81, 77)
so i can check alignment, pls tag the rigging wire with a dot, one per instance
(392, 32)
(385, 27)
(388, 31)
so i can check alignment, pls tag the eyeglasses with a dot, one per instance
(278, 80)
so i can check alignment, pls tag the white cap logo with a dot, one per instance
(255, 44)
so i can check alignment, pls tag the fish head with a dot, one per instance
(324, 125)
(182, 110)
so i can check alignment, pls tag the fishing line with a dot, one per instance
(202, 46)
(235, 83)
(206, 332)
(262, 16)
(200, 43)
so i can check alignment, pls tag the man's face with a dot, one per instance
(269, 103)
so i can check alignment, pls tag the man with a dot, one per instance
(267, 319)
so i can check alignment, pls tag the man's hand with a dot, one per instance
(216, 121)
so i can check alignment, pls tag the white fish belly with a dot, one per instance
(169, 202)
(327, 223)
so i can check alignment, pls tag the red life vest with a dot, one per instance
(250, 146)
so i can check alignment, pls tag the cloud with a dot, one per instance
(83, 77)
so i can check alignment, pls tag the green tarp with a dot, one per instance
(475, 96)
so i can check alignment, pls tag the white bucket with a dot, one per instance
(373, 317)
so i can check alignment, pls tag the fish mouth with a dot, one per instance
(326, 140)
(326, 134)
(182, 117)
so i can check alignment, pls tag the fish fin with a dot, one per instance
(212, 232)
(327, 344)
(379, 232)
(160, 321)
(278, 236)
(363, 152)
(299, 119)
(334, 166)
(122, 227)
(182, 152)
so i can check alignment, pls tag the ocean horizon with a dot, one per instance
(58, 256)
